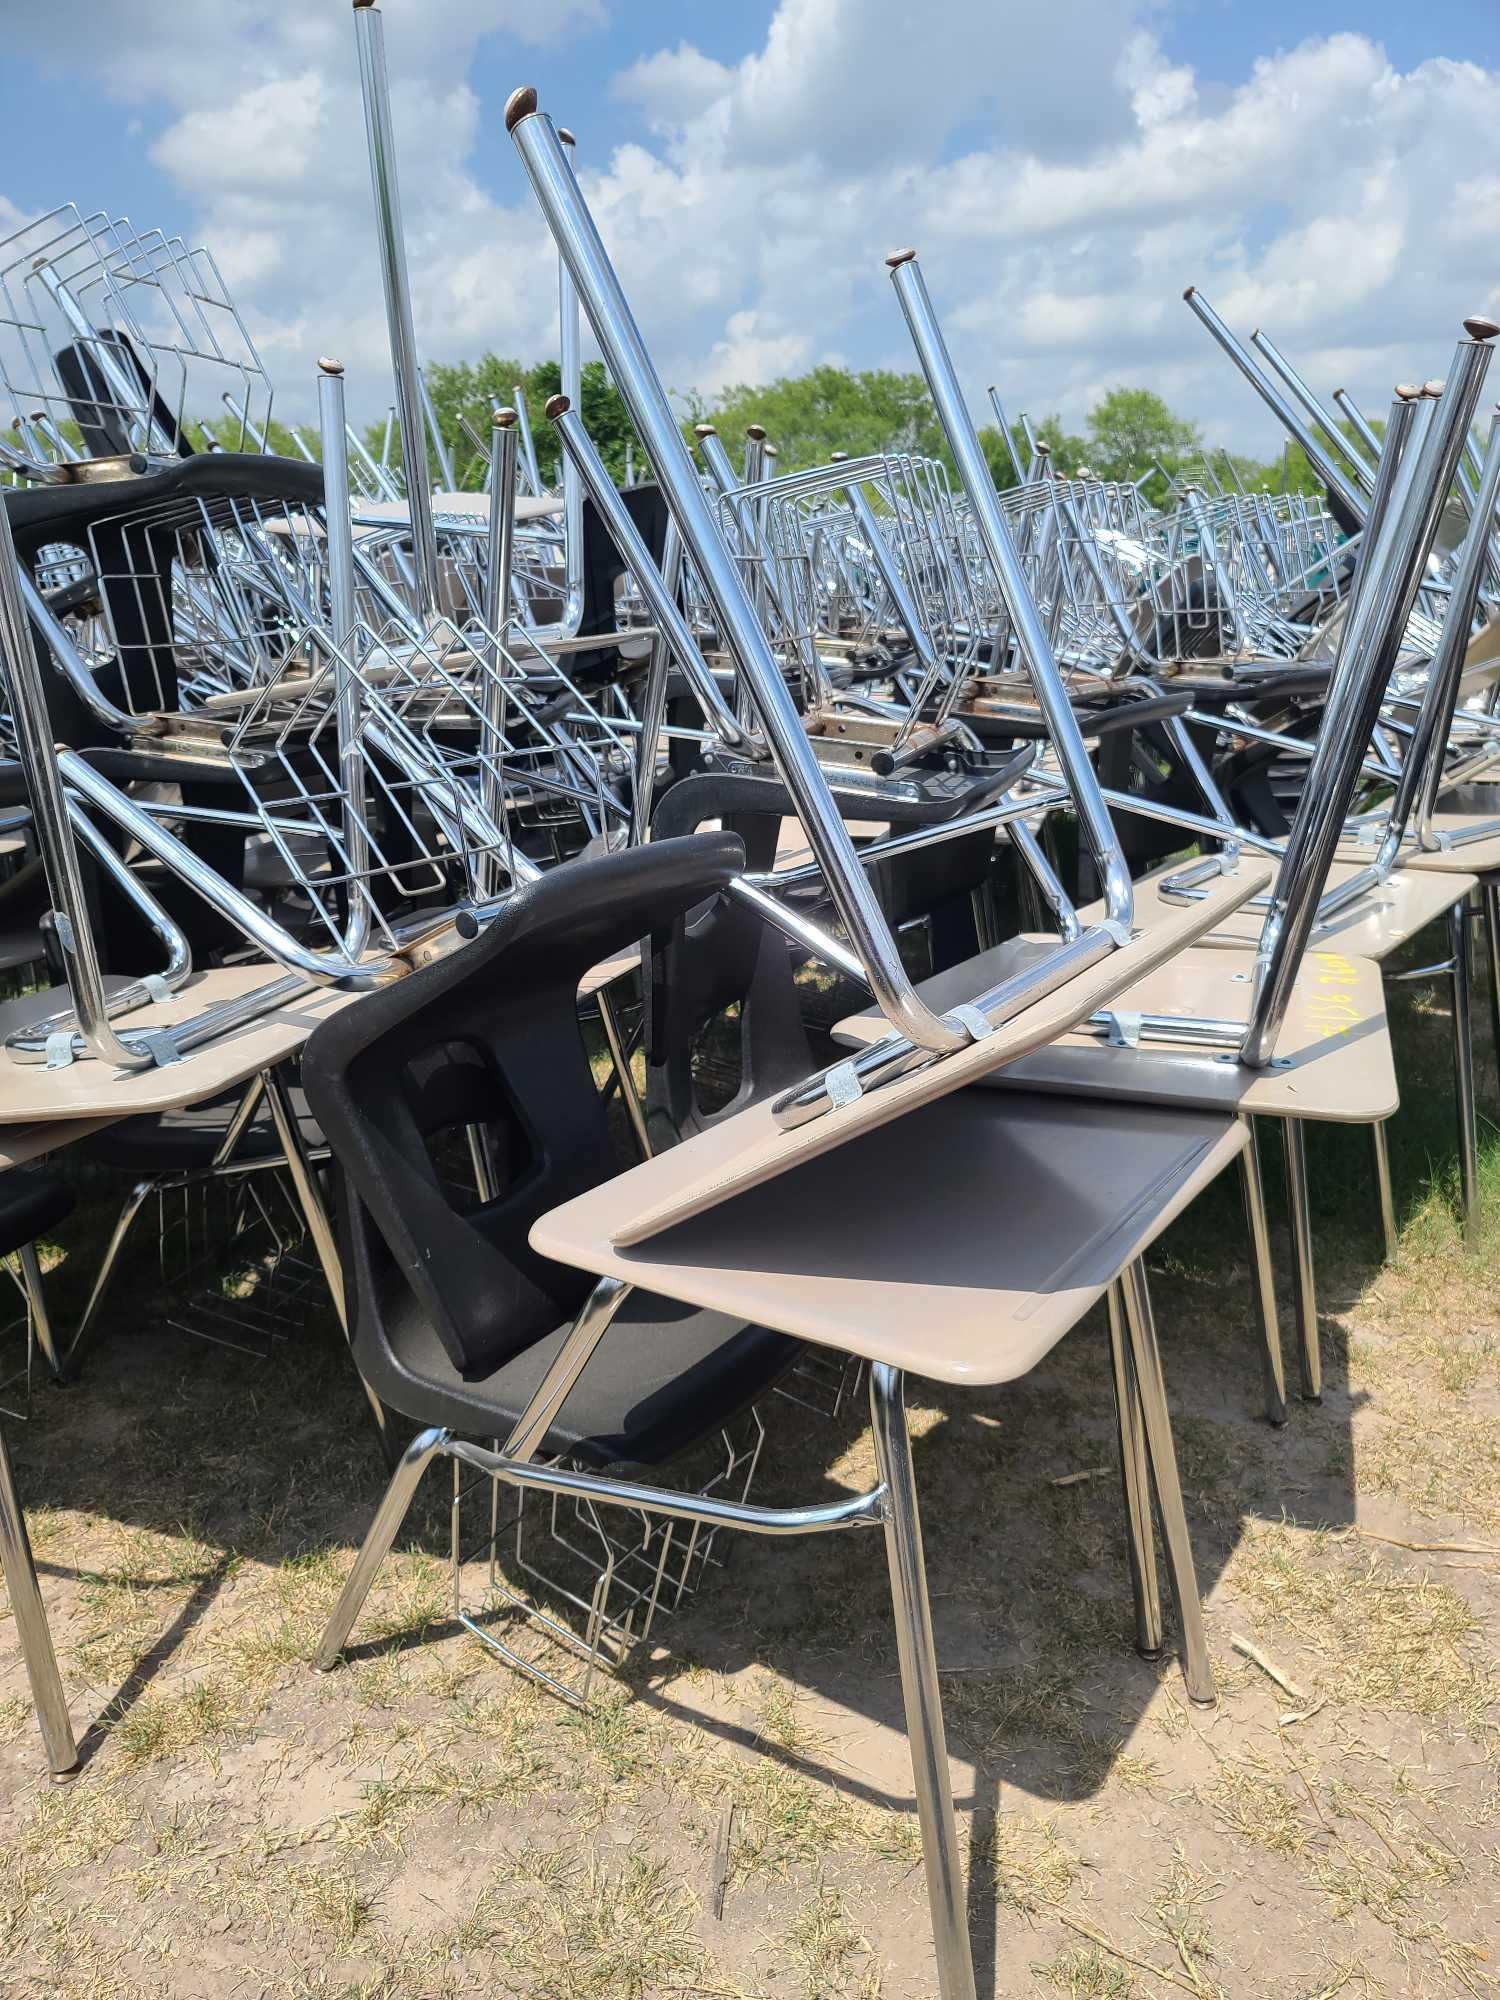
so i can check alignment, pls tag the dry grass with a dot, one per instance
(423, 1824)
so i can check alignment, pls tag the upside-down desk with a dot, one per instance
(1333, 1063)
(1375, 925)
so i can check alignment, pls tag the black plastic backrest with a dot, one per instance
(132, 536)
(95, 408)
(40, 514)
(503, 1013)
(603, 566)
(717, 957)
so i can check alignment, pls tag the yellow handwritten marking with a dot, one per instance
(1334, 970)
(1333, 1013)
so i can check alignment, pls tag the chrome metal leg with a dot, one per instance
(919, 1685)
(1141, 1328)
(1135, 1478)
(36, 1306)
(1263, 1278)
(593, 1321)
(1304, 1284)
(482, 1160)
(629, 1095)
(310, 1200)
(376, 1545)
(1489, 893)
(244, 1111)
(1463, 1072)
(986, 915)
(123, 1222)
(1033, 915)
(1380, 1146)
(31, 1627)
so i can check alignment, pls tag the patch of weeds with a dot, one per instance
(1087, 1975)
(1030, 1867)
(1385, 1636)
(593, 1932)
(330, 1899)
(825, 1952)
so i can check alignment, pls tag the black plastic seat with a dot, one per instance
(454, 1317)
(42, 514)
(32, 1200)
(664, 1372)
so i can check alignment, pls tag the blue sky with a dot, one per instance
(1066, 171)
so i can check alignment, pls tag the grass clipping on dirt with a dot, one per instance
(732, 1816)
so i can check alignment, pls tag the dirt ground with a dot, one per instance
(732, 1816)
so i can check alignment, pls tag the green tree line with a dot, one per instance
(1130, 434)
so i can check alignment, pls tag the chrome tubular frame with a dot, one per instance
(369, 35)
(102, 356)
(1026, 623)
(37, 1652)
(1393, 565)
(570, 357)
(1429, 740)
(34, 1042)
(378, 474)
(1404, 427)
(324, 968)
(920, 1687)
(501, 486)
(1325, 467)
(654, 699)
(435, 439)
(891, 1505)
(1362, 430)
(344, 612)
(73, 669)
(1008, 440)
(1149, 1465)
(504, 442)
(561, 200)
(1363, 471)
(528, 443)
(50, 817)
(579, 452)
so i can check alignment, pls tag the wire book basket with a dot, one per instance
(194, 595)
(587, 1582)
(395, 776)
(116, 341)
(1125, 587)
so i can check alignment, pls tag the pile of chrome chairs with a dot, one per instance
(341, 797)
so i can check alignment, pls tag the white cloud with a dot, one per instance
(674, 86)
(757, 347)
(1062, 177)
(1327, 195)
(272, 129)
(259, 123)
